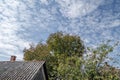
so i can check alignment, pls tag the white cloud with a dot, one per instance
(115, 23)
(10, 43)
(21, 20)
(16, 16)
(44, 1)
(77, 8)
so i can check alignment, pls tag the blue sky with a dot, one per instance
(26, 21)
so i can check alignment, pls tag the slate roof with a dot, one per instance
(19, 70)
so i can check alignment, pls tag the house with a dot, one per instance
(20, 70)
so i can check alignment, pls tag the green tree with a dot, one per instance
(95, 66)
(65, 61)
(63, 46)
(38, 52)
(58, 45)
(90, 67)
(61, 43)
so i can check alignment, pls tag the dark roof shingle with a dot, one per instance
(19, 70)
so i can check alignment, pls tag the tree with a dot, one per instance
(39, 52)
(65, 61)
(96, 67)
(91, 67)
(61, 43)
(63, 46)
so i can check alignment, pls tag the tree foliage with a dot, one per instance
(60, 43)
(95, 66)
(66, 60)
(38, 52)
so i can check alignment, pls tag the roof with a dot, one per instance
(19, 70)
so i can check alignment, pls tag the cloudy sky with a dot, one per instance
(29, 21)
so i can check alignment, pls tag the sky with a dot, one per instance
(29, 21)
